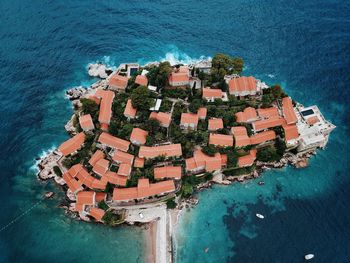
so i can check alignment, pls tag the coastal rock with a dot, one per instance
(99, 70)
(48, 195)
(70, 127)
(59, 180)
(75, 92)
(71, 196)
(46, 165)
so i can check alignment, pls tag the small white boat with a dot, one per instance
(260, 216)
(309, 256)
(141, 215)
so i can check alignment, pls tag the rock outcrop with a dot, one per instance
(46, 165)
(99, 70)
(75, 92)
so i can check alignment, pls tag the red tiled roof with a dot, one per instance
(163, 118)
(124, 169)
(98, 155)
(262, 137)
(71, 182)
(97, 213)
(312, 120)
(141, 80)
(101, 166)
(268, 112)
(268, 123)
(202, 161)
(189, 118)
(86, 197)
(144, 189)
(178, 77)
(247, 160)
(138, 136)
(212, 93)
(139, 162)
(86, 123)
(100, 196)
(221, 139)
(202, 113)
(167, 172)
(215, 124)
(123, 157)
(72, 145)
(169, 150)
(118, 81)
(130, 111)
(241, 136)
(242, 84)
(114, 178)
(114, 142)
(288, 111)
(247, 115)
(290, 132)
(105, 113)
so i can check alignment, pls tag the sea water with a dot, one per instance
(45, 48)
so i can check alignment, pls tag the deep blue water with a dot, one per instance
(305, 45)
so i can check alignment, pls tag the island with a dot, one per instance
(145, 138)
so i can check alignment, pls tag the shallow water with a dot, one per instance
(45, 47)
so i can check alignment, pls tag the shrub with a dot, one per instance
(57, 171)
(210, 150)
(103, 205)
(171, 204)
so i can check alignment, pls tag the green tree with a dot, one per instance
(267, 154)
(158, 76)
(210, 150)
(171, 204)
(195, 105)
(125, 131)
(89, 107)
(140, 98)
(103, 205)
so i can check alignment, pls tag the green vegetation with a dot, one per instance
(195, 105)
(166, 105)
(171, 204)
(176, 93)
(141, 98)
(224, 64)
(210, 150)
(272, 94)
(158, 76)
(57, 171)
(90, 107)
(267, 154)
(103, 205)
(112, 219)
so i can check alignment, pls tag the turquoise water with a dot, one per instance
(45, 48)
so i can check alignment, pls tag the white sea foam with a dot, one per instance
(271, 76)
(41, 156)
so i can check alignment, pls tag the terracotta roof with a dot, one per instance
(178, 77)
(288, 111)
(97, 213)
(189, 118)
(82, 175)
(72, 183)
(86, 123)
(144, 189)
(139, 162)
(221, 139)
(268, 112)
(138, 136)
(290, 132)
(114, 178)
(241, 136)
(98, 155)
(212, 93)
(268, 123)
(167, 172)
(247, 160)
(101, 166)
(86, 197)
(114, 142)
(202, 161)
(105, 113)
(163, 118)
(242, 84)
(169, 150)
(118, 81)
(247, 115)
(312, 120)
(141, 80)
(262, 137)
(99, 184)
(124, 169)
(100, 196)
(184, 69)
(202, 113)
(215, 124)
(73, 144)
(130, 111)
(123, 157)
